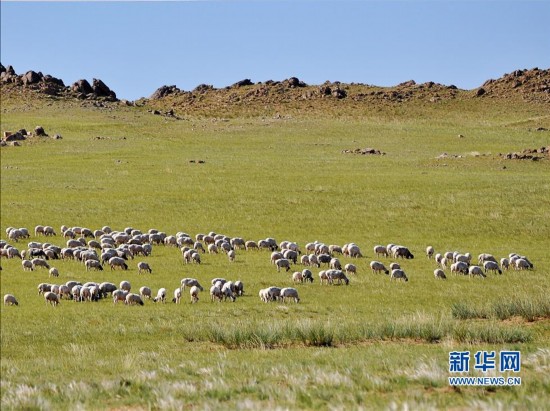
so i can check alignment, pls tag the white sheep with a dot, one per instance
(96, 265)
(273, 293)
(251, 245)
(133, 299)
(336, 275)
(145, 292)
(378, 267)
(491, 266)
(190, 282)
(297, 277)
(27, 265)
(398, 275)
(522, 264)
(227, 291)
(117, 262)
(38, 262)
(395, 266)
(314, 261)
(291, 293)
(505, 263)
(125, 285)
(231, 255)
(459, 267)
(354, 251)
(485, 257)
(439, 273)
(263, 294)
(307, 275)
(350, 269)
(177, 295)
(475, 270)
(161, 296)
(335, 264)
(215, 293)
(430, 251)
(143, 266)
(119, 295)
(239, 288)
(194, 293)
(380, 250)
(9, 299)
(51, 298)
(282, 263)
(323, 278)
(54, 272)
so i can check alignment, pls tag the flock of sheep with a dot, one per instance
(96, 248)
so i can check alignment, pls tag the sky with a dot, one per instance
(137, 47)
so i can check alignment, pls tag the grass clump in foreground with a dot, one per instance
(530, 308)
(311, 333)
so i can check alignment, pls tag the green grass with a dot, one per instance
(372, 344)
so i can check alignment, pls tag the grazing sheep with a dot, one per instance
(190, 282)
(117, 262)
(96, 265)
(51, 298)
(49, 231)
(145, 292)
(27, 265)
(314, 261)
(44, 287)
(106, 288)
(143, 266)
(215, 293)
(10, 299)
(273, 293)
(505, 263)
(395, 266)
(119, 295)
(227, 291)
(335, 249)
(354, 251)
(251, 245)
(439, 273)
(429, 251)
(263, 294)
(378, 267)
(380, 250)
(212, 249)
(85, 294)
(336, 275)
(522, 264)
(307, 275)
(53, 272)
(282, 263)
(39, 229)
(297, 277)
(196, 258)
(459, 267)
(64, 291)
(221, 281)
(237, 242)
(231, 255)
(304, 260)
(239, 288)
(275, 255)
(161, 296)
(324, 259)
(125, 285)
(335, 264)
(398, 275)
(194, 293)
(291, 293)
(491, 266)
(38, 262)
(133, 299)
(475, 270)
(323, 278)
(403, 252)
(465, 258)
(485, 257)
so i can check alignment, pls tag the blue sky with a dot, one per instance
(136, 47)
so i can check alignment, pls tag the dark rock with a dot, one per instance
(325, 90)
(31, 77)
(2, 68)
(242, 83)
(164, 91)
(407, 83)
(82, 86)
(480, 91)
(53, 80)
(100, 89)
(202, 88)
(10, 71)
(339, 93)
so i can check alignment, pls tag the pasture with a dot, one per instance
(372, 344)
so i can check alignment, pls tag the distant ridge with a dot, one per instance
(530, 85)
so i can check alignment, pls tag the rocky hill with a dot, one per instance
(245, 96)
(48, 85)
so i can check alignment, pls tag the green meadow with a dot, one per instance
(374, 344)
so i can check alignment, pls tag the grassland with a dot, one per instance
(371, 345)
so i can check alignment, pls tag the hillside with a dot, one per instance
(275, 98)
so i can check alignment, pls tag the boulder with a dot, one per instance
(31, 77)
(164, 91)
(82, 86)
(100, 89)
(242, 83)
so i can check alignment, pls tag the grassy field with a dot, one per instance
(373, 344)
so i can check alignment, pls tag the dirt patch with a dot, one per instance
(364, 151)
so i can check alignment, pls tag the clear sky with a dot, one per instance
(136, 47)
